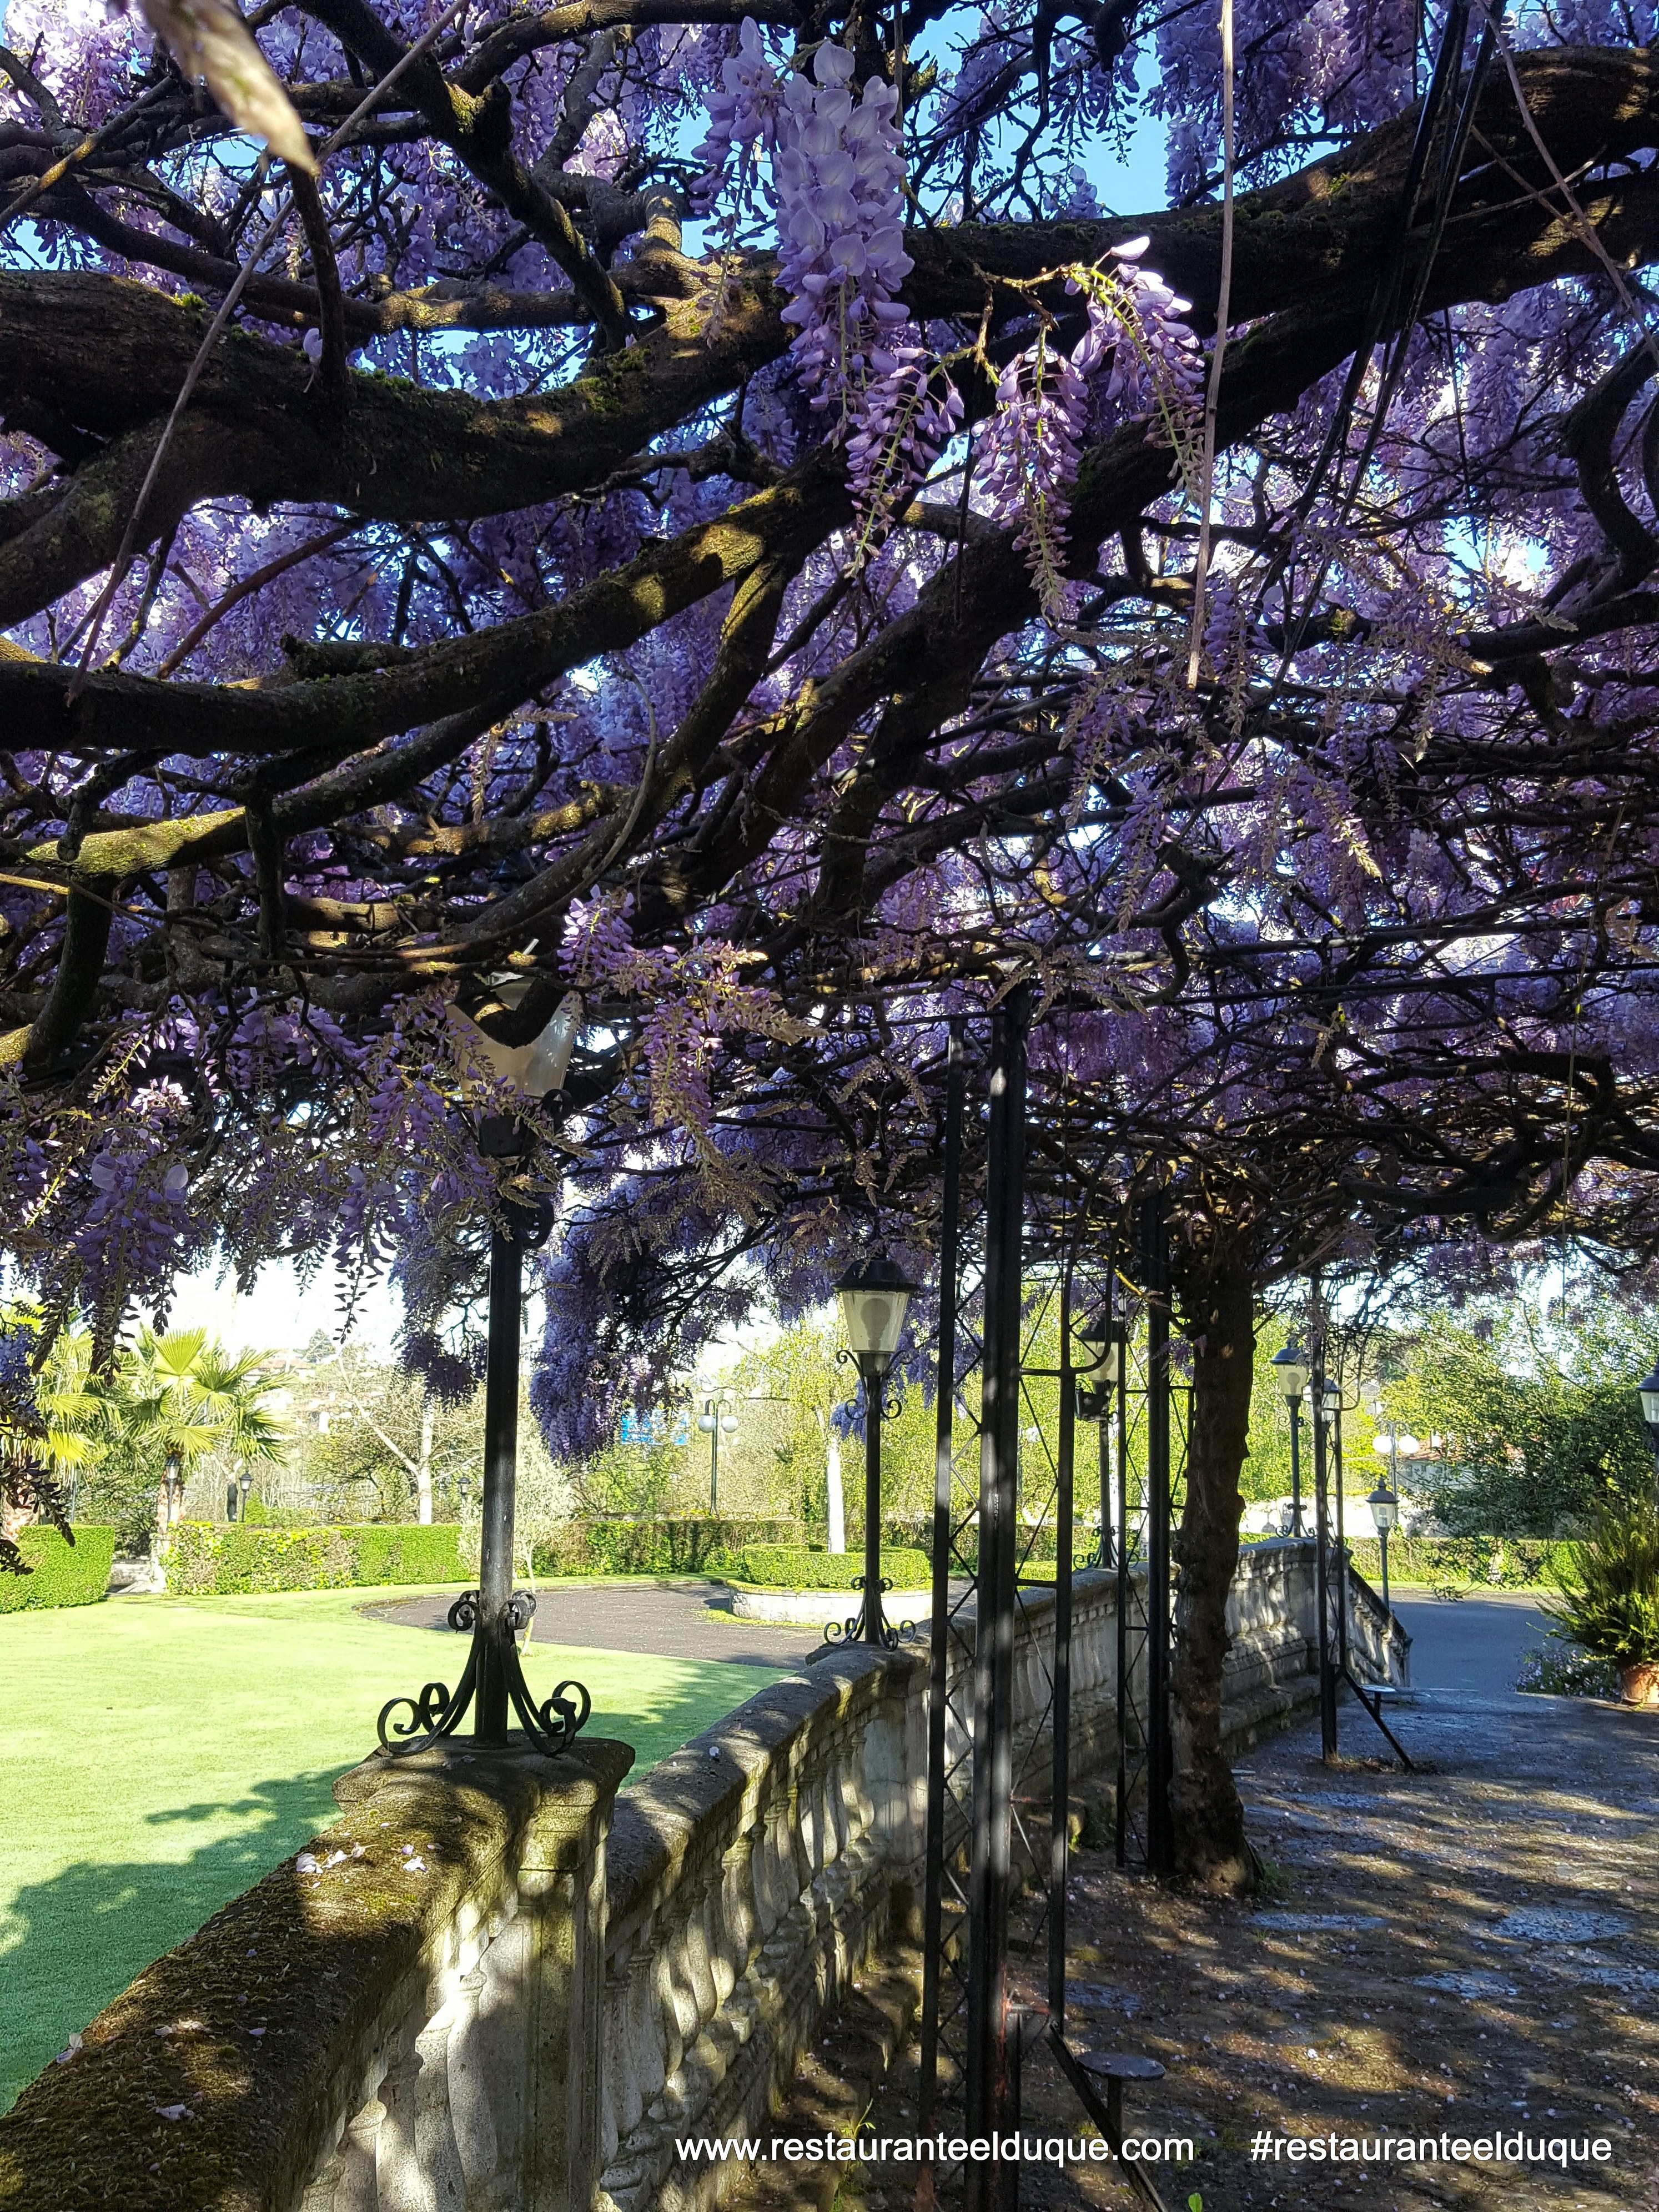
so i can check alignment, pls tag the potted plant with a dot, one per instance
(1608, 1602)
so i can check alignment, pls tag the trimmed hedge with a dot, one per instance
(61, 1573)
(1523, 1562)
(796, 1567)
(658, 1544)
(205, 1558)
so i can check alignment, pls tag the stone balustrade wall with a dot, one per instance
(750, 1875)
(399, 2019)
(494, 1985)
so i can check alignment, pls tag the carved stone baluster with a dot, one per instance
(806, 1840)
(765, 1878)
(801, 1809)
(677, 2002)
(469, 2089)
(842, 1791)
(400, 2185)
(699, 1946)
(357, 2189)
(808, 1827)
(435, 2126)
(737, 1914)
(647, 2032)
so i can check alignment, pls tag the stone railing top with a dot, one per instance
(211, 2081)
(1371, 1600)
(705, 1788)
(1273, 1551)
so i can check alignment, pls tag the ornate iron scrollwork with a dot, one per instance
(553, 1725)
(851, 1631)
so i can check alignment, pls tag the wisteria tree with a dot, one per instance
(699, 510)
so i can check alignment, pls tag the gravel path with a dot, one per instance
(1469, 1948)
(667, 1620)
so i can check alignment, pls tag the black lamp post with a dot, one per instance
(1647, 1393)
(715, 1421)
(1385, 1515)
(1290, 1372)
(875, 1295)
(493, 1683)
(1334, 1411)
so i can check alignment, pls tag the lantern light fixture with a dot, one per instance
(1100, 1353)
(1290, 1372)
(875, 1295)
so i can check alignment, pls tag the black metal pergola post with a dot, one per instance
(1321, 1543)
(1061, 1775)
(493, 1684)
(1342, 1540)
(1121, 1795)
(500, 1474)
(1160, 1833)
(938, 1641)
(989, 2085)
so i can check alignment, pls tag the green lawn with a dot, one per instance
(159, 1755)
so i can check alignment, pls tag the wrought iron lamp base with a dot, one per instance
(552, 1726)
(851, 1631)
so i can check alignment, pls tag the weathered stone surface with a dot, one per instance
(344, 1971)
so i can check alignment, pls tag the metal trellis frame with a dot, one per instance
(973, 2032)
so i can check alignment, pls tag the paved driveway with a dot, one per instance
(1472, 1643)
(671, 1619)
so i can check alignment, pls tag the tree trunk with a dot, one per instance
(832, 1486)
(423, 1468)
(1211, 1850)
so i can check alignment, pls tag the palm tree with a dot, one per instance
(232, 1388)
(180, 1394)
(81, 1408)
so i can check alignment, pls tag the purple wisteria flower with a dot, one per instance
(1137, 359)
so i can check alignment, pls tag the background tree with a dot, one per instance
(1538, 1424)
(129, 1441)
(386, 1429)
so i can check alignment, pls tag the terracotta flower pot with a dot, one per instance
(1639, 1684)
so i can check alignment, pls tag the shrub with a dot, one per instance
(1563, 1673)
(794, 1566)
(1609, 1587)
(407, 1551)
(1520, 1563)
(204, 1558)
(654, 1544)
(61, 1573)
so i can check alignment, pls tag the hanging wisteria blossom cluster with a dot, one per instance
(1047, 400)
(837, 175)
